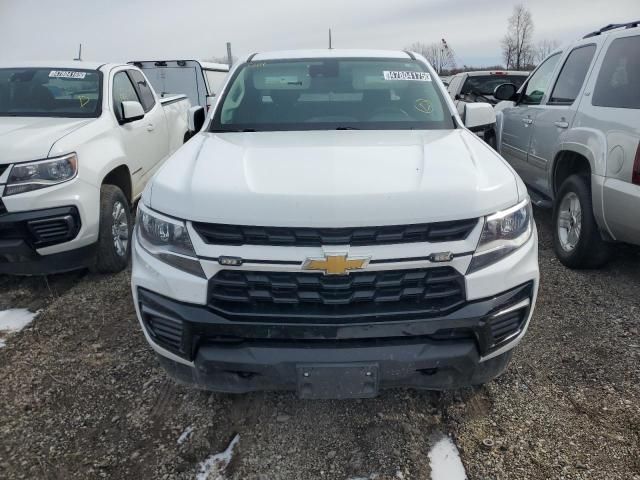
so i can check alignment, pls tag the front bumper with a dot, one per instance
(203, 348)
(436, 353)
(423, 365)
(24, 234)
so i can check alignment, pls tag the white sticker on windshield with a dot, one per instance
(67, 74)
(415, 76)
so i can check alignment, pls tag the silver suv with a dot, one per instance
(572, 132)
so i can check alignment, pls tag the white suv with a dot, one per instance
(572, 132)
(334, 229)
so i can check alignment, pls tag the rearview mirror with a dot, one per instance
(506, 91)
(477, 115)
(131, 111)
(195, 119)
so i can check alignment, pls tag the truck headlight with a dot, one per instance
(167, 239)
(25, 177)
(503, 233)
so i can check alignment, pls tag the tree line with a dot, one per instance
(519, 51)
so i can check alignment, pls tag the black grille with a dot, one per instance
(40, 228)
(3, 209)
(504, 326)
(376, 295)
(219, 234)
(52, 230)
(166, 332)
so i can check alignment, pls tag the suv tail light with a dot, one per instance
(635, 175)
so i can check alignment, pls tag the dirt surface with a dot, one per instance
(83, 396)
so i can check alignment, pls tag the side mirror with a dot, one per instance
(478, 115)
(131, 111)
(195, 119)
(506, 91)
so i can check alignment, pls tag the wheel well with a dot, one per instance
(120, 177)
(566, 164)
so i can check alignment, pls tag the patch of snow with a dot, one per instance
(213, 467)
(445, 459)
(14, 320)
(185, 435)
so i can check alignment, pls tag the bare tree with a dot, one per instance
(439, 54)
(508, 48)
(544, 48)
(517, 48)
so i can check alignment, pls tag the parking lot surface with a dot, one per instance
(83, 396)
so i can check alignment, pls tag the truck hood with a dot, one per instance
(333, 178)
(31, 138)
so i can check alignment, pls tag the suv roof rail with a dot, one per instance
(612, 26)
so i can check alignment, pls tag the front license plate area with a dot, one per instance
(335, 380)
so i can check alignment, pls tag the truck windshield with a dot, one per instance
(486, 84)
(329, 94)
(50, 92)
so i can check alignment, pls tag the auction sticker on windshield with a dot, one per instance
(67, 74)
(408, 75)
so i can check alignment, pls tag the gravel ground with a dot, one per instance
(83, 397)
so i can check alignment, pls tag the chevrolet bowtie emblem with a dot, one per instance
(336, 264)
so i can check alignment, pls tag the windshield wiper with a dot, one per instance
(347, 128)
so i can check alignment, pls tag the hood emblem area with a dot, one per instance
(336, 264)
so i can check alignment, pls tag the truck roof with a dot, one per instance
(205, 65)
(495, 72)
(215, 66)
(327, 53)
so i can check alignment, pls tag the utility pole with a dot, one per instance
(330, 46)
(229, 57)
(79, 59)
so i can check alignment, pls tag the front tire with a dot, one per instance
(116, 225)
(576, 237)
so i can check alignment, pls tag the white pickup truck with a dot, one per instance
(335, 228)
(79, 142)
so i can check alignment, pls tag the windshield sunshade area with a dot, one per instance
(332, 94)
(49, 92)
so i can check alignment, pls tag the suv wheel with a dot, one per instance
(114, 244)
(576, 238)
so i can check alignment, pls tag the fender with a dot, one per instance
(592, 145)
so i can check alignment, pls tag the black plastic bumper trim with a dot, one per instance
(203, 328)
(17, 258)
(22, 233)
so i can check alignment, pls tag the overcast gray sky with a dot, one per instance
(120, 30)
